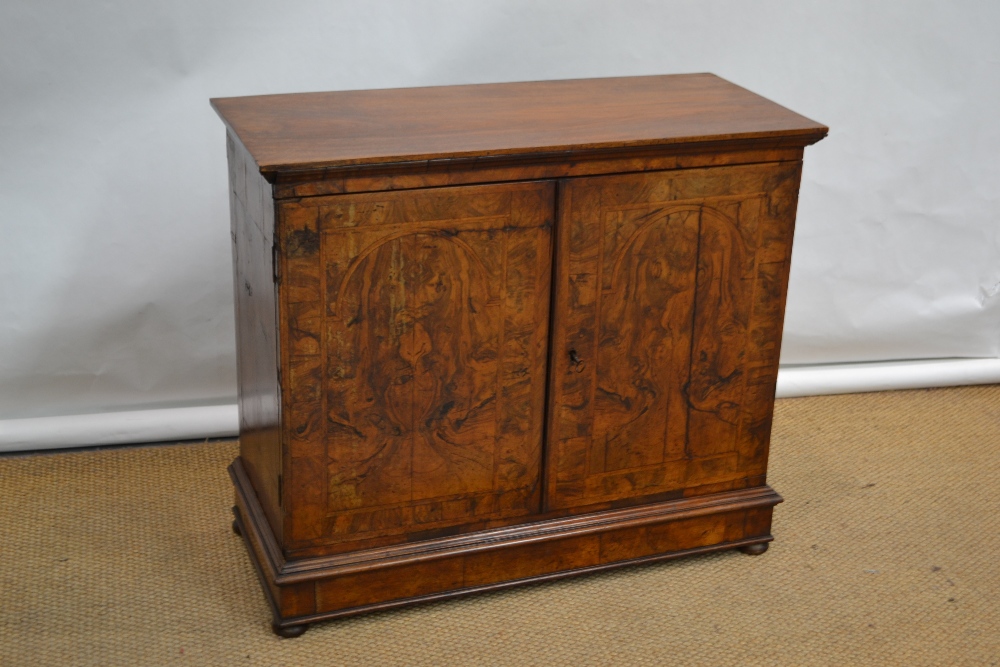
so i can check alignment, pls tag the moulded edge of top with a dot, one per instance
(284, 133)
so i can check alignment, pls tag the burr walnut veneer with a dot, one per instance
(496, 334)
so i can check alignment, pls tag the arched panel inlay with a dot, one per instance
(657, 299)
(424, 338)
(644, 313)
(418, 324)
(471, 255)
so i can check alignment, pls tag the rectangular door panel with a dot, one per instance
(669, 297)
(419, 329)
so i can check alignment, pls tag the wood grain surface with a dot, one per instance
(669, 296)
(504, 333)
(252, 232)
(417, 327)
(336, 129)
(438, 173)
(305, 590)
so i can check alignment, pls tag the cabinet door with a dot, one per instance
(670, 292)
(416, 326)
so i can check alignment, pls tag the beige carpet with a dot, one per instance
(887, 552)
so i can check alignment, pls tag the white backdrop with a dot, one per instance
(116, 296)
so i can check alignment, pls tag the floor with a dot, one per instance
(887, 552)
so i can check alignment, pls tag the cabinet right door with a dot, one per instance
(669, 299)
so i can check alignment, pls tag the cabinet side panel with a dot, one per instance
(767, 316)
(252, 218)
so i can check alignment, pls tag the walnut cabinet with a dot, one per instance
(497, 334)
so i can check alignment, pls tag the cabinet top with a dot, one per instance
(307, 131)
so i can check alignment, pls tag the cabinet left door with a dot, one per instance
(414, 327)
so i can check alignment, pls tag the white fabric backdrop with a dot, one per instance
(115, 280)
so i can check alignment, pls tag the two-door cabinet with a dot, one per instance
(497, 334)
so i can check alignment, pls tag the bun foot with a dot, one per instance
(755, 549)
(290, 631)
(236, 528)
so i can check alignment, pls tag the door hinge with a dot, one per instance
(279, 492)
(276, 263)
